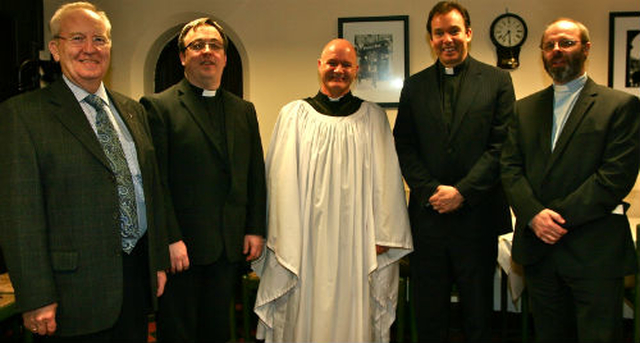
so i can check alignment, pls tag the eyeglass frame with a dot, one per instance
(570, 43)
(197, 23)
(80, 40)
(214, 45)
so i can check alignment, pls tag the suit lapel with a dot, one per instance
(198, 111)
(70, 114)
(468, 90)
(584, 102)
(544, 111)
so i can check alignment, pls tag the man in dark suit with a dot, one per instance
(451, 123)
(85, 245)
(571, 156)
(210, 155)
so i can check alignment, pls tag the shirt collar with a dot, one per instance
(343, 98)
(80, 93)
(452, 71)
(203, 92)
(571, 86)
(208, 93)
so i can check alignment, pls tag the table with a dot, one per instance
(7, 297)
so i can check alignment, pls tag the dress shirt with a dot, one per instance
(564, 98)
(451, 79)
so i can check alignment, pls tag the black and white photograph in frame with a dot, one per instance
(624, 51)
(382, 44)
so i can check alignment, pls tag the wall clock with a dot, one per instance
(508, 33)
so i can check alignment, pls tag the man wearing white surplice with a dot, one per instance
(338, 223)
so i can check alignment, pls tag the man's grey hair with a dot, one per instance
(54, 24)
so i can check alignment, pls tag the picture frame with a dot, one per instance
(624, 51)
(382, 44)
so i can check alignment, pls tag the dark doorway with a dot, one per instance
(169, 70)
(21, 24)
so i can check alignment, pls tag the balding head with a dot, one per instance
(339, 44)
(338, 67)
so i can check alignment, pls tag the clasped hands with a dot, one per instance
(547, 225)
(446, 199)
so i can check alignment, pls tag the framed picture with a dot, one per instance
(624, 51)
(382, 44)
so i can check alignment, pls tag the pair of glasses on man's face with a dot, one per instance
(563, 44)
(199, 45)
(78, 40)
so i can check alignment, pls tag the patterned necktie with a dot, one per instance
(108, 138)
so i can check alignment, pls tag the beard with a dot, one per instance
(570, 71)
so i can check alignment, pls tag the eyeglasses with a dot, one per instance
(199, 45)
(563, 44)
(80, 40)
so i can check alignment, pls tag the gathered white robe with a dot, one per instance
(334, 192)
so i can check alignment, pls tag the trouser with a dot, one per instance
(573, 309)
(436, 265)
(195, 304)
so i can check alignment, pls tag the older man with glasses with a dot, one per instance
(81, 208)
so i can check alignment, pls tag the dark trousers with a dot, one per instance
(436, 265)
(195, 304)
(573, 309)
(133, 323)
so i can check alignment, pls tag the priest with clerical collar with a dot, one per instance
(210, 158)
(337, 217)
(452, 119)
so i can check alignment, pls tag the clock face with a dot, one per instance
(508, 30)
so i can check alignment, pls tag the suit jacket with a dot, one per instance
(466, 156)
(59, 217)
(592, 168)
(215, 202)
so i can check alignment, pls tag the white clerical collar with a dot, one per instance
(571, 86)
(208, 93)
(334, 99)
(449, 70)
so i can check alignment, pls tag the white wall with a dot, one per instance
(280, 40)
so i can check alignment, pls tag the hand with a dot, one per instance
(446, 199)
(547, 226)
(252, 246)
(381, 249)
(162, 280)
(179, 257)
(42, 320)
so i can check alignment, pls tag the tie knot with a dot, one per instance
(94, 101)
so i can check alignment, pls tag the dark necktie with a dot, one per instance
(108, 138)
